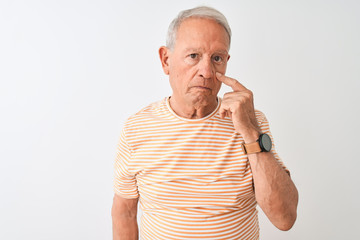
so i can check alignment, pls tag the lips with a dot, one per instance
(202, 87)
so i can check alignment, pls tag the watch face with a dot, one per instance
(265, 142)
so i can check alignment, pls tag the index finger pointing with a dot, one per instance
(231, 82)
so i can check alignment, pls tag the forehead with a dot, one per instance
(202, 33)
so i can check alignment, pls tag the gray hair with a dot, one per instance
(199, 12)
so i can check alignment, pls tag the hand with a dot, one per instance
(239, 106)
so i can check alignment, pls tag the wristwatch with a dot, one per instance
(263, 144)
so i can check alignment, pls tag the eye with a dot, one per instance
(193, 55)
(192, 58)
(218, 59)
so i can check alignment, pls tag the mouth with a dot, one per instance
(201, 88)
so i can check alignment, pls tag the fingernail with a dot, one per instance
(218, 74)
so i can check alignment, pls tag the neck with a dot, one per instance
(192, 110)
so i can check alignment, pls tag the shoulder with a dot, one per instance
(260, 116)
(146, 114)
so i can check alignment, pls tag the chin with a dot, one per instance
(202, 100)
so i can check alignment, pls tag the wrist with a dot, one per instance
(262, 144)
(251, 136)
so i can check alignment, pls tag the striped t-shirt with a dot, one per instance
(192, 175)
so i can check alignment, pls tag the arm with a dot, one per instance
(275, 192)
(124, 212)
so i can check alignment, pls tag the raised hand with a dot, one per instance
(239, 106)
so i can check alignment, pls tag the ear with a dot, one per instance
(164, 58)
(228, 58)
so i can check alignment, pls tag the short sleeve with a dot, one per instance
(265, 128)
(124, 182)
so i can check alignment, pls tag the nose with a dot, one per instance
(206, 68)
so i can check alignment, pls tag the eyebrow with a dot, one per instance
(199, 50)
(192, 49)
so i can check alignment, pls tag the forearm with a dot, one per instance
(275, 192)
(124, 218)
(125, 228)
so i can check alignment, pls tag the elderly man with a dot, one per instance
(199, 164)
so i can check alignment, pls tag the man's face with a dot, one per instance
(201, 50)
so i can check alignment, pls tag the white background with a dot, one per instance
(71, 73)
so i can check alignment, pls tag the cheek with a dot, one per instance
(181, 70)
(217, 86)
(179, 80)
(221, 68)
